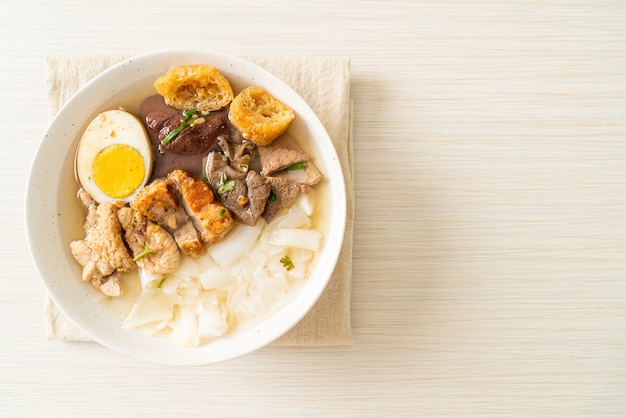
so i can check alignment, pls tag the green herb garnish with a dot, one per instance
(161, 283)
(145, 252)
(173, 134)
(287, 263)
(297, 166)
(271, 197)
(222, 212)
(187, 114)
(226, 187)
(189, 117)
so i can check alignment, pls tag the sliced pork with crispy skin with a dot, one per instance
(185, 207)
(188, 239)
(159, 204)
(210, 218)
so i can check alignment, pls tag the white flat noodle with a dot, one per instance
(204, 263)
(252, 308)
(211, 321)
(269, 291)
(241, 304)
(170, 285)
(238, 242)
(300, 259)
(189, 291)
(152, 306)
(215, 278)
(295, 218)
(241, 270)
(305, 203)
(239, 280)
(234, 299)
(300, 238)
(267, 248)
(185, 331)
(188, 268)
(148, 279)
(162, 325)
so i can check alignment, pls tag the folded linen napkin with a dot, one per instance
(324, 82)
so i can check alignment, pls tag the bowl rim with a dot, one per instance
(292, 311)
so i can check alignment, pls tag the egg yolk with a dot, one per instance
(118, 170)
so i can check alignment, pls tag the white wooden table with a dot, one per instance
(490, 233)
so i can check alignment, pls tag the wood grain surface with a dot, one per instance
(489, 270)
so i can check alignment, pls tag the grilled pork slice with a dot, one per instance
(158, 203)
(212, 220)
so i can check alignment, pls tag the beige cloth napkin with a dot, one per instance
(324, 82)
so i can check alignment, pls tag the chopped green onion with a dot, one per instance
(297, 166)
(161, 283)
(173, 134)
(222, 212)
(271, 197)
(187, 114)
(226, 187)
(145, 252)
(287, 263)
(189, 117)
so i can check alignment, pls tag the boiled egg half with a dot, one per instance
(114, 157)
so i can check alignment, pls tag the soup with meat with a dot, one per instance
(200, 209)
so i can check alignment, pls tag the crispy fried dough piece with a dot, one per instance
(259, 116)
(196, 86)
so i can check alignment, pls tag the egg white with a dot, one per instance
(109, 128)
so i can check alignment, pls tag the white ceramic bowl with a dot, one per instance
(52, 209)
